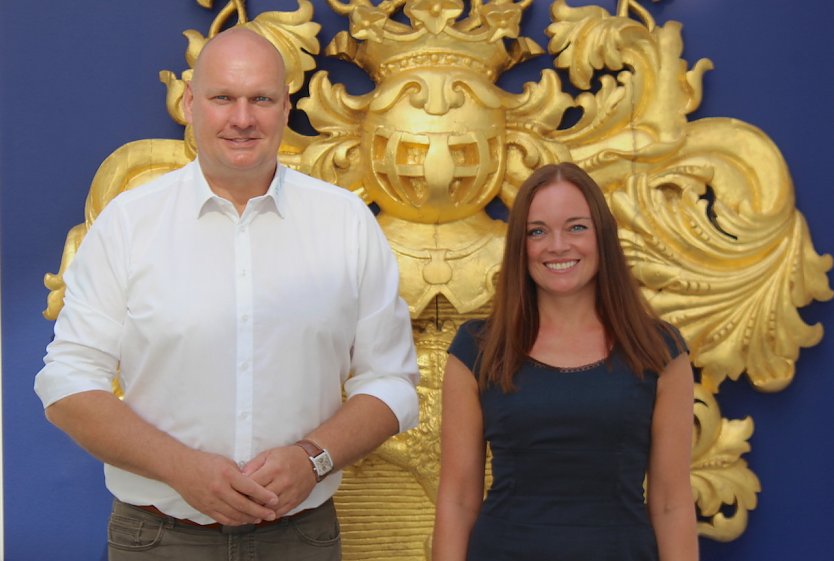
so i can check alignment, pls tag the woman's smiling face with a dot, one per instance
(562, 253)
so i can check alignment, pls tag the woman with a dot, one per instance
(579, 389)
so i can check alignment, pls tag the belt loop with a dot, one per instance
(169, 522)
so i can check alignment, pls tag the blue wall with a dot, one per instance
(79, 79)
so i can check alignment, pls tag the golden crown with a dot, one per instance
(382, 46)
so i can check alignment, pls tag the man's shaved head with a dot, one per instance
(235, 42)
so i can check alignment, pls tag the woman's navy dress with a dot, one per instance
(570, 450)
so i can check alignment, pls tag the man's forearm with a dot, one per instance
(112, 432)
(361, 424)
(357, 429)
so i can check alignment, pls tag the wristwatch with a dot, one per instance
(319, 457)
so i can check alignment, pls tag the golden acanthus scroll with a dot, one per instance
(706, 207)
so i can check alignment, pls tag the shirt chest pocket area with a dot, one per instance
(306, 303)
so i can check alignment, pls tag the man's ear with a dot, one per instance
(187, 100)
(287, 105)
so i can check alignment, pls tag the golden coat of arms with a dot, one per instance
(706, 208)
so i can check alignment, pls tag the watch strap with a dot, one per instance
(310, 447)
(315, 453)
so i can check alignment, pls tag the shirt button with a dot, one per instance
(244, 318)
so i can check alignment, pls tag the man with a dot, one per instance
(236, 299)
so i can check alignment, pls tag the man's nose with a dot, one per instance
(242, 114)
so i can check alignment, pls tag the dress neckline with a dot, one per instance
(567, 369)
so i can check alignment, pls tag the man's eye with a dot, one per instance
(263, 99)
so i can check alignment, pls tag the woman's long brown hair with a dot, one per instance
(510, 332)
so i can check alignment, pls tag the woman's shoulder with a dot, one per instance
(673, 338)
(472, 326)
(466, 343)
(469, 332)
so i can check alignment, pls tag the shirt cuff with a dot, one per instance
(397, 393)
(55, 382)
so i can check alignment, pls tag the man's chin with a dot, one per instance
(251, 165)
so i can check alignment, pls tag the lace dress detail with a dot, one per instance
(567, 369)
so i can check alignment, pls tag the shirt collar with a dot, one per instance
(206, 200)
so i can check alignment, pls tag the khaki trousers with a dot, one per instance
(136, 535)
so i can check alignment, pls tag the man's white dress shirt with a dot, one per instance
(233, 333)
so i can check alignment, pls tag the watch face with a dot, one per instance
(323, 464)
